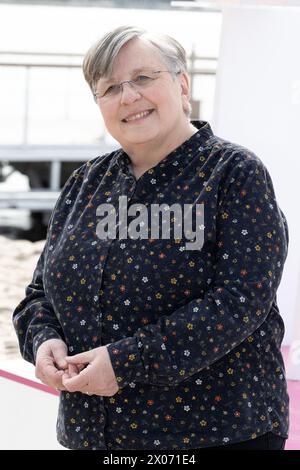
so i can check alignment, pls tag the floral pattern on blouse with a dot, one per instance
(194, 336)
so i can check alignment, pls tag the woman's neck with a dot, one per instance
(147, 159)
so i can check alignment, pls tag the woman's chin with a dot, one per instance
(140, 135)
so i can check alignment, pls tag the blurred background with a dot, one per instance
(244, 65)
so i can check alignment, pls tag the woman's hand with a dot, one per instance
(51, 363)
(98, 378)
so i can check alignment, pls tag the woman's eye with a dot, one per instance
(111, 89)
(142, 78)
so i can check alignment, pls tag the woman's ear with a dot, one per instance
(185, 89)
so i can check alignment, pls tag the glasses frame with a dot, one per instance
(97, 95)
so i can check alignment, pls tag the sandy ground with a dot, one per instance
(18, 259)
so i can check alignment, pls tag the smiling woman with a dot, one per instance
(181, 345)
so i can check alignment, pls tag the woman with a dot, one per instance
(153, 343)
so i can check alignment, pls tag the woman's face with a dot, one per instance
(166, 96)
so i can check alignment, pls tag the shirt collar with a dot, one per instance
(196, 142)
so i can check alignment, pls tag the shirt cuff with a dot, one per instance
(126, 361)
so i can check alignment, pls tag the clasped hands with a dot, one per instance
(90, 372)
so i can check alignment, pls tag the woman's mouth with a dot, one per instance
(139, 117)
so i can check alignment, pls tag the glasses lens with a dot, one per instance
(112, 90)
(141, 81)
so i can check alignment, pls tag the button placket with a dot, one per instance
(104, 255)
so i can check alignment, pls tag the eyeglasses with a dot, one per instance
(138, 83)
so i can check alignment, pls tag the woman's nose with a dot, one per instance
(129, 94)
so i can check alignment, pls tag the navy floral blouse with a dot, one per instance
(193, 335)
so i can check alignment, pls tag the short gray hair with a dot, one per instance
(99, 59)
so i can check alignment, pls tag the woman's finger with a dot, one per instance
(73, 370)
(76, 383)
(82, 358)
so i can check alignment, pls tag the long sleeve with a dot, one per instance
(250, 251)
(34, 318)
